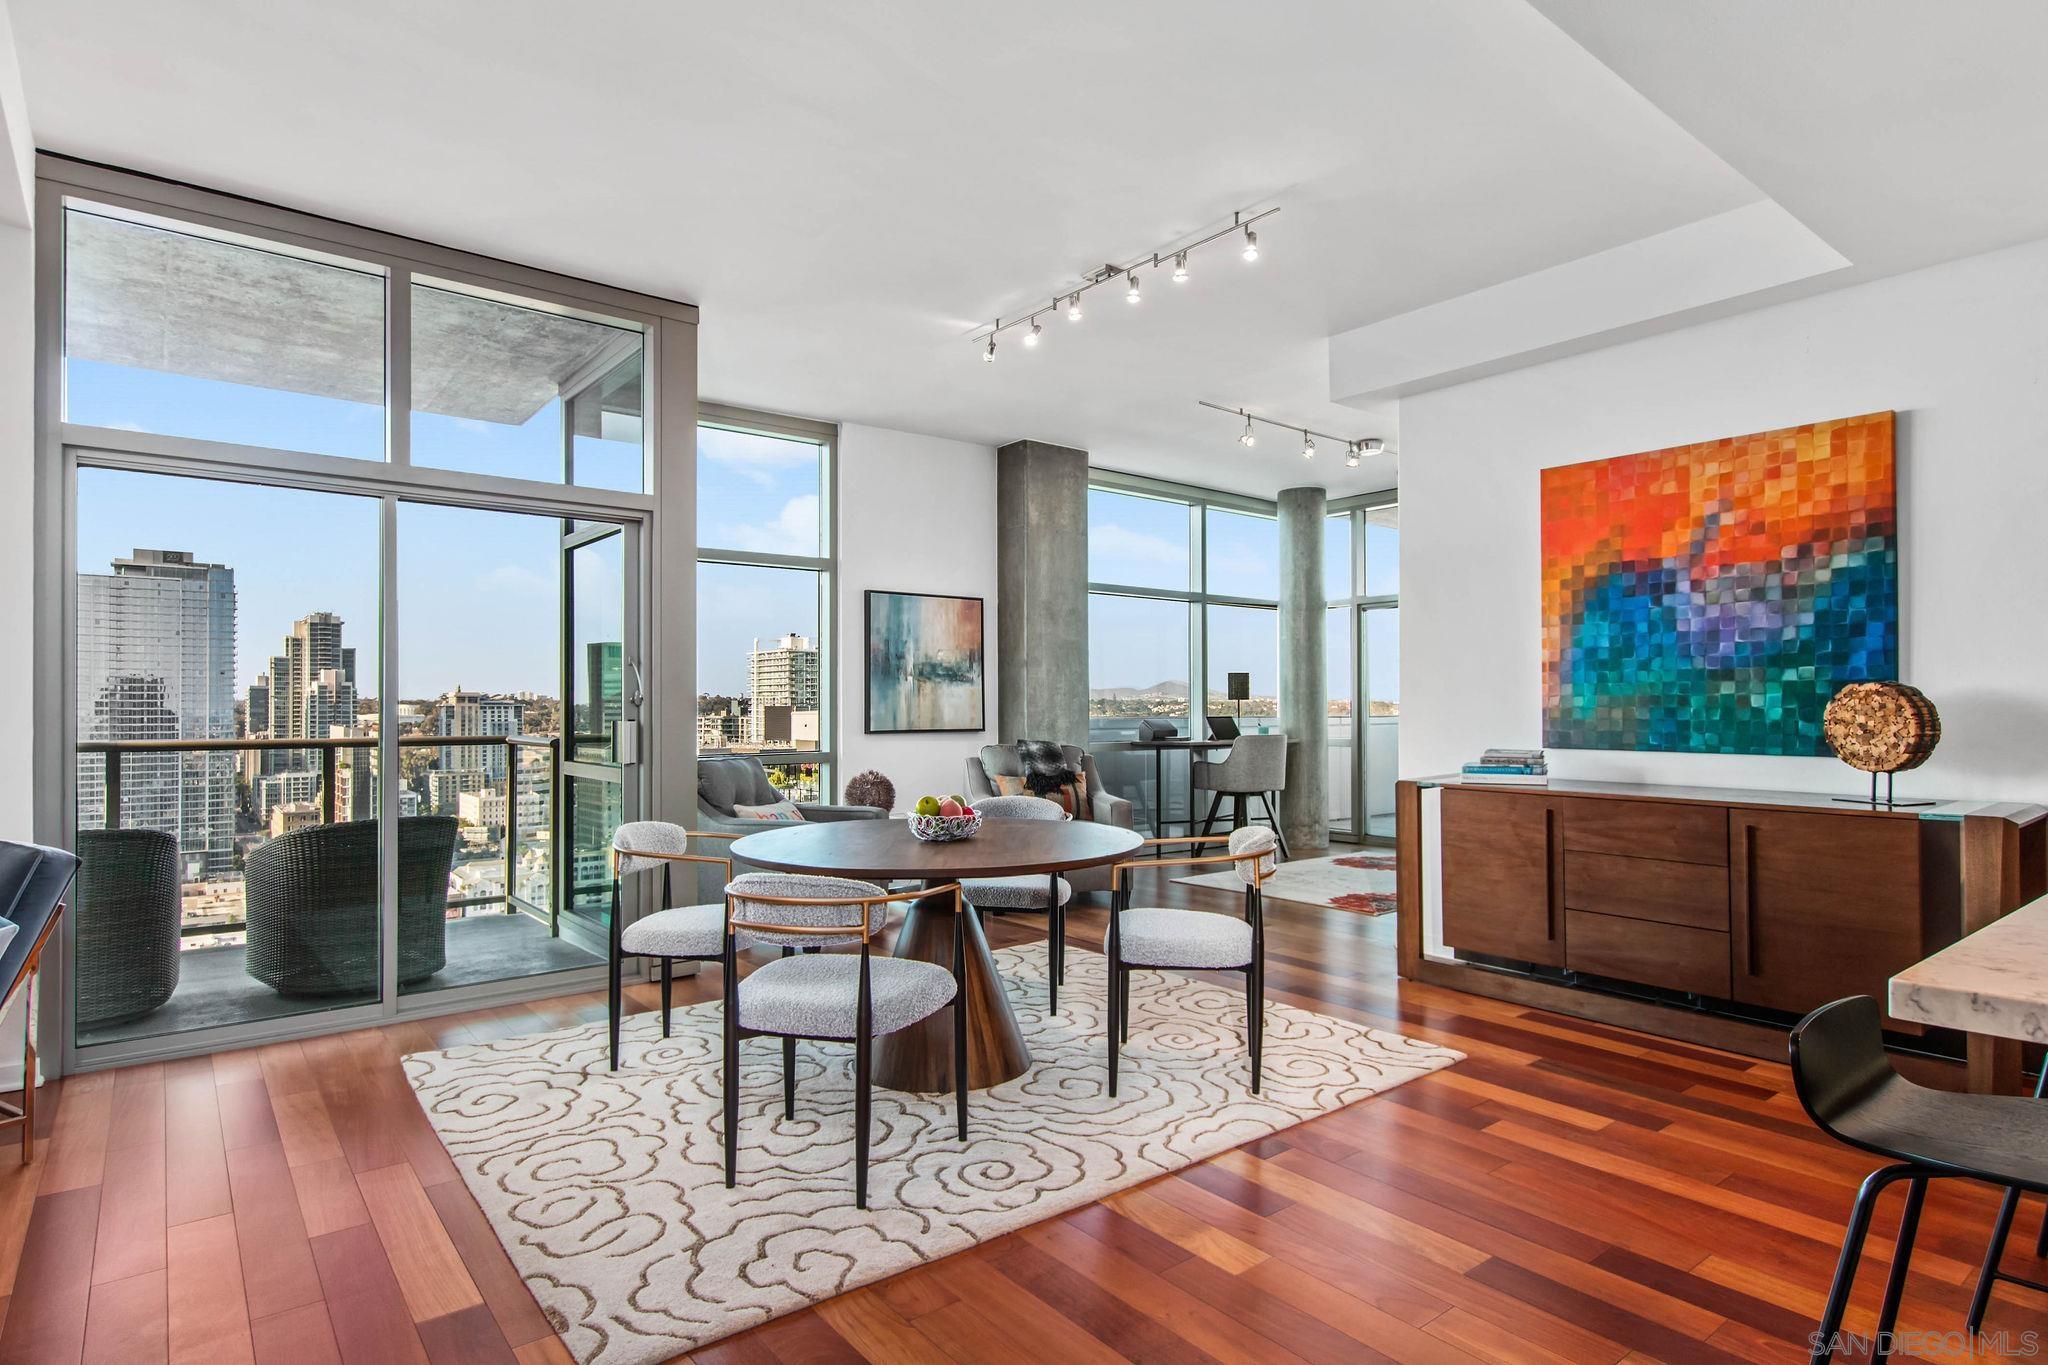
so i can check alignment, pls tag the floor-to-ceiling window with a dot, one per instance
(765, 681)
(344, 576)
(1362, 578)
(1183, 590)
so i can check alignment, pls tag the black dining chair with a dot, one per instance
(1847, 1086)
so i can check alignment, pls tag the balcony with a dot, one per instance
(171, 939)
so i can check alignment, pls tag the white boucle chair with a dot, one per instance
(830, 997)
(1030, 891)
(686, 933)
(1154, 939)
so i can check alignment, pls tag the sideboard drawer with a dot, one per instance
(1647, 888)
(1673, 956)
(1675, 832)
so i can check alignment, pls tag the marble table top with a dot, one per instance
(1994, 981)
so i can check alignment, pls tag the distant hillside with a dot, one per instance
(1157, 691)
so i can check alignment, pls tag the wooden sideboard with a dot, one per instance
(1731, 907)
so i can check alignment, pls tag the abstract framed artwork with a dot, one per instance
(924, 663)
(1712, 598)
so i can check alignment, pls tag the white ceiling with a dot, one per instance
(848, 191)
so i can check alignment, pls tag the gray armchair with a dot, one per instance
(1255, 766)
(1000, 760)
(740, 780)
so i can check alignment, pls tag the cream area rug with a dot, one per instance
(608, 1189)
(1353, 881)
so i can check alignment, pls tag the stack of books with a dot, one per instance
(1510, 768)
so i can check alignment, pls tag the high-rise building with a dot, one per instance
(156, 660)
(466, 714)
(785, 674)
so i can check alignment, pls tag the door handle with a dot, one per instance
(1550, 874)
(1751, 957)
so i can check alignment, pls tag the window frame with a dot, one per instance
(662, 515)
(825, 564)
(1355, 605)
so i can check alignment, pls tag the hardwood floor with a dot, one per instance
(1571, 1192)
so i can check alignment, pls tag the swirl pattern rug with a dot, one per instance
(1363, 882)
(608, 1189)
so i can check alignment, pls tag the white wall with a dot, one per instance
(916, 514)
(1960, 351)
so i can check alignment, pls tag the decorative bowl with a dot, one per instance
(944, 829)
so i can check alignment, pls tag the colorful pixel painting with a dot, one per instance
(1711, 598)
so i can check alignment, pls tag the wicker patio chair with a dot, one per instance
(312, 906)
(127, 924)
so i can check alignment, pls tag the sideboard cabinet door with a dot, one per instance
(1822, 906)
(1500, 852)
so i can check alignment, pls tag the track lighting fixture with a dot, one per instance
(990, 354)
(1177, 255)
(1354, 450)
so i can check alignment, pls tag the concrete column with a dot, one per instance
(1042, 593)
(1304, 679)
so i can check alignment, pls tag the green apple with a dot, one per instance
(927, 805)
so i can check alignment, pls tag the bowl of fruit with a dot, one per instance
(942, 819)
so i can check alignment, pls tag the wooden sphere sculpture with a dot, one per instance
(1881, 727)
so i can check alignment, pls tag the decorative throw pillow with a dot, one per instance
(1075, 793)
(781, 812)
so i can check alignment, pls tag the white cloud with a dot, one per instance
(1120, 542)
(793, 532)
(754, 458)
(511, 580)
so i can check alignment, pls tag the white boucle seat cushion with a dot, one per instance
(1183, 938)
(686, 931)
(1026, 892)
(818, 996)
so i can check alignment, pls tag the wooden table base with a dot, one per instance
(920, 1058)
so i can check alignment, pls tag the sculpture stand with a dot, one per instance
(1889, 802)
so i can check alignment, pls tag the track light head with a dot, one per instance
(1308, 445)
(1371, 445)
(1131, 292)
(1248, 439)
(1031, 337)
(1180, 268)
(989, 355)
(1074, 307)
(1251, 245)
(1351, 453)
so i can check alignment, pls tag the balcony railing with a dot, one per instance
(329, 750)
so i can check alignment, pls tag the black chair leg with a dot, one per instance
(789, 1078)
(1852, 1251)
(1215, 804)
(616, 1010)
(960, 1062)
(1255, 1020)
(1895, 1283)
(1240, 811)
(861, 1108)
(1988, 1276)
(732, 1097)
(1116, 1023)
(667, 993)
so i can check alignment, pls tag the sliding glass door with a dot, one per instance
(1362, 565)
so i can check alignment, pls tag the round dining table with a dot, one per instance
(920, 1058)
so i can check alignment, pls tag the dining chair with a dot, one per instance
(831, 997)
(685, 933)
(1029, 891)
(1161, 939)
(1848, 1088)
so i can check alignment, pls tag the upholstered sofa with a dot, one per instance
(1000, 760)
(740, 780)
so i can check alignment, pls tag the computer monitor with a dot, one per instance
(1222, 727)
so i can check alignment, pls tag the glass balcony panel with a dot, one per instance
(216, 620)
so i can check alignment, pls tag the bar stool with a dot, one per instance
(1848, 1088)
